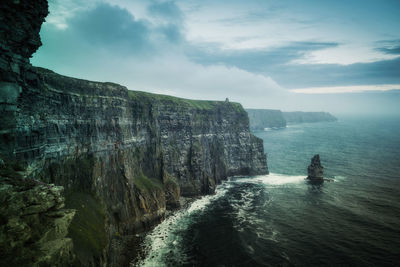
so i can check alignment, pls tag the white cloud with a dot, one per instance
(344, 55)
(60, 11)
(347, 89)
(177, 75)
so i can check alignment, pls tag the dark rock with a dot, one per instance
(34, 225)
(315, 169)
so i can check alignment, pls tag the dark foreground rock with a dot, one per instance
(315, 170)
(34, 224)
(123, 157)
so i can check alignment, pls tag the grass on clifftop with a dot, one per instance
(198, 104)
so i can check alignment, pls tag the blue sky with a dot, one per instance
(338, 56)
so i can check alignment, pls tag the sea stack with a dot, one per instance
(315, 170)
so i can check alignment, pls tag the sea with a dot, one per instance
(280, 219)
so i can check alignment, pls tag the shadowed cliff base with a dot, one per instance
(123, 157)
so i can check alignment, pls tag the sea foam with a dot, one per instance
(163, 243)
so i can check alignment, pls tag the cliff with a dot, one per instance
(265, 118)
(270, 118)
(122, 157)
(300, 117)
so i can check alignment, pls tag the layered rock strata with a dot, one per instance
(123, 157)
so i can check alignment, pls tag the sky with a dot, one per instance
(340, 56)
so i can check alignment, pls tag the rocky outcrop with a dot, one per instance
(123, 157)
(315, 170)
(265, 118)
(301, 117)
(34, 224)
(20, 23)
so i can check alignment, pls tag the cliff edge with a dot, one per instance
(123, 157)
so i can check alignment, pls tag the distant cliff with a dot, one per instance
(265, 118)
(271, 118)
(123, 157)
(300, 117)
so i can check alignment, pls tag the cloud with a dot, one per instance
(107, 43)
(277, 64)
(111, 26)
(319, 75)
(344, 55)
(256, 60)
(391, 47)
(250, 51)
(347, 89)
(167, 10)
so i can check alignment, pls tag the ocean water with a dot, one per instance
(281, 220)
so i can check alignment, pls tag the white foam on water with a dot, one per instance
(247, 218)
(273, 179)
(164, 242)
(338, 178)
(165, 239)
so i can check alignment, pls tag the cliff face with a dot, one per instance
(300, 117)
(265, 118)
(269, 118)
(20, 22)
(123, 157)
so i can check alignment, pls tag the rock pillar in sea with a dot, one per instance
(315, 169)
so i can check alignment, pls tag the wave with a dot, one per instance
(272, 179)
(163, 244)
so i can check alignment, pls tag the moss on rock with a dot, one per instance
(87, 229)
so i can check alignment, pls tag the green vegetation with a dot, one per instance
(197, 104)
(87, 229)
(171, 181)
(146, 184)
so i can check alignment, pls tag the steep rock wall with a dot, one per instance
(265, 118)
(123, 157)
(270, 118)
(301, 117)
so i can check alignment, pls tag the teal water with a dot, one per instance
(281, 220)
